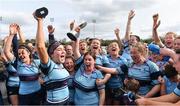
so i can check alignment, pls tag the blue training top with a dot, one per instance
(177, 90)
(102, 60)
(11, 67)
(116, 81)
(13, 78)
(144, 73)
(28, 75)
(71, 88)
(86, 91)
(170, 86)
(56, 77)
(126, 53)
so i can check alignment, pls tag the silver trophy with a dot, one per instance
(73, 35)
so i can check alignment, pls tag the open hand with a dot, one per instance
(37, 18)
(156, 23)
(131, 14)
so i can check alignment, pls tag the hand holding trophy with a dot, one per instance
(41, 12)
(73, 35)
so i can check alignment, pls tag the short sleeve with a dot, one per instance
(45, 68)
(79, 60)
(154, 72)
(177, 90)
(100, 76)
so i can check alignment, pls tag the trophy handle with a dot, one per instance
(82, 25)
(73, 35)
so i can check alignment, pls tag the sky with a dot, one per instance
(109, 14)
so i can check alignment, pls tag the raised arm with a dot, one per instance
(155, 36)
(40, 41)
(51, 35)
(7, 48)
(76, 45)
(128, 27)
(168, 52)
(15, 45)
(21, 34)
(116, 31)
(3, 57)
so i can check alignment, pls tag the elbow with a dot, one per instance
(158, 87)
(6, 52)
(114, 71)
(40, 46)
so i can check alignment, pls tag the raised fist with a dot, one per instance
(13, 29)
(50, 29)
(155, 17)
(116, 31)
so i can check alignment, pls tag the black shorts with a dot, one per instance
(30, 99)
(12, 90)
(1, 99)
